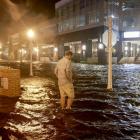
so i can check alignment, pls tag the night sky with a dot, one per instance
(14, 11)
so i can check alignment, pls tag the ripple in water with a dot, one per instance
(97, 114)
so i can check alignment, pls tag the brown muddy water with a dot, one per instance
(97, 114)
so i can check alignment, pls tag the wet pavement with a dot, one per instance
(97, 113)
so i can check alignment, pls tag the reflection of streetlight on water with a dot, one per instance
(31, 35)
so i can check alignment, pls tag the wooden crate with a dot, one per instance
(9, 82)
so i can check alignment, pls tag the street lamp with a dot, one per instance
(31, 35)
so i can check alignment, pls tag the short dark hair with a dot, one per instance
(67, 53)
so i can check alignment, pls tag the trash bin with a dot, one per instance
(9, 82)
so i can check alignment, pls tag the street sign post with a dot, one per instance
(109, 84)
(109, 39)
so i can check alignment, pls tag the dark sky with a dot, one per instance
(12, 12)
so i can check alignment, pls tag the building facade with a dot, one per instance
(131, 30)
(81, 24)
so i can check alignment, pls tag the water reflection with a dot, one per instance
(97, 113)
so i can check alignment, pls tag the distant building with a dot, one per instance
(81, 24)
(131, 30)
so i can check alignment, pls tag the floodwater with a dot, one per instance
(97, 113)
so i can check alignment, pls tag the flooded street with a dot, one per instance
(97, 114)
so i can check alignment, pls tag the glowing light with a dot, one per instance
(112, 16)
(70, 46)
(79, 51)
(131, 49)
(133, 34)
(23, 51)
(55, 49)
(126, 48)
(138, 49)
(84, 47)
(101, 46)
(30, 33)
(36, 49)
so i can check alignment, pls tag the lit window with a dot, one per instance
(133, 34)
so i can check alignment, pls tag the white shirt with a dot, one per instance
(63, 71)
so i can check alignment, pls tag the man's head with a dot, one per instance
(68, 54)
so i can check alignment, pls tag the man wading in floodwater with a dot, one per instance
(63, 71)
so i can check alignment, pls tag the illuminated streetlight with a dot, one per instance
(30, 34)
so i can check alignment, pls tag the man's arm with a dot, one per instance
(56, 71)
(69, 72)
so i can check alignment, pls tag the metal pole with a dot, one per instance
(37, 51)
(31, 61)
(109, 85)
(21, 55)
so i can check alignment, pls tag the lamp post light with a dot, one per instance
(31, 35)
(84, 50)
